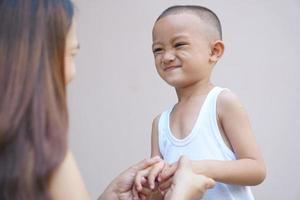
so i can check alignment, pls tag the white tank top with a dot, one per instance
(203, 143)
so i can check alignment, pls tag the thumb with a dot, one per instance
(184, 162)
(210, 183)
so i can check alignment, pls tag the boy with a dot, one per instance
(208, 123)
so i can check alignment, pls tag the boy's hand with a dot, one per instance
(148, 175)
(146, 180)
(165, 178)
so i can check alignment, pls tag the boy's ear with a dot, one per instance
(217, 50)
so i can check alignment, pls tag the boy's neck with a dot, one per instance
(195, 90)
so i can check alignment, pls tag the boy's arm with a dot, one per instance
(249, 168)
(145, 179)
(154, 138)
(155, 152)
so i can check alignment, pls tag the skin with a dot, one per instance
(67, 182)
(72, 48)
(121, 187)
(186, 184)
(184, 56)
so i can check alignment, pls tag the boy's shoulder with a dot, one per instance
(228, 101)
(227, 97)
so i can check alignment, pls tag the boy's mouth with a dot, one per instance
(170, 68)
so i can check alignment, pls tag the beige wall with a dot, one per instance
(117, 92)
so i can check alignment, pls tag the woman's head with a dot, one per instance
(33, 111)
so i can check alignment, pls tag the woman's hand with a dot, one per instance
(122, 185)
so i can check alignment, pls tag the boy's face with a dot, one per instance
(181, 49)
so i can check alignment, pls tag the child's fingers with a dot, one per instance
(135, 195)
(144, 181)
(140, 178)
(168, 172)
(166, 167)
(154, 173)
(165, 185)
(210, 183)
(142, 168)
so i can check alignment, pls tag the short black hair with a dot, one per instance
(204, 13)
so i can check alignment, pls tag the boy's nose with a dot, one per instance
(168, 57)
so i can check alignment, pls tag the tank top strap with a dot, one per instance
(163, 130)
(213, 96)
(212, 101)
(208, 108)
(210, 113)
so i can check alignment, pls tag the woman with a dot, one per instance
(33, 110)
(37, 46)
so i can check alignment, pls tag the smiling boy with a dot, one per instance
(208, 123)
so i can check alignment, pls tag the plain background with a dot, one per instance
(117, 91)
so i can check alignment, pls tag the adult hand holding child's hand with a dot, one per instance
(187, 185)
(175, 181)
(146, 181)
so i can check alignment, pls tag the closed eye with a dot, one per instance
(157, 50)
(180, 44)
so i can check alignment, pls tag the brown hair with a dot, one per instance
(33, 111)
